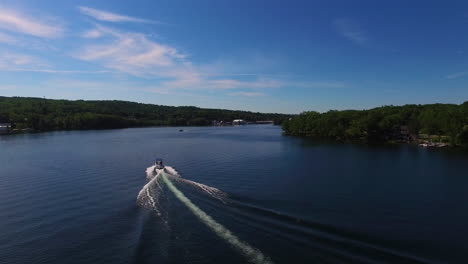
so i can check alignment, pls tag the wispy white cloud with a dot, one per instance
(10, 61)
(94, 33)
(55, 71)
(457, 75)
(105, 85)
(132, 53)
(82, 84)
(27, 42)
(15, 21)
(324, 84)
(135, 54)
(5, 38)
(247, 94)
(18, 62)
(112, 17)
(198, 82)
(351, 30)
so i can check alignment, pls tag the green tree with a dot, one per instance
(463, 137)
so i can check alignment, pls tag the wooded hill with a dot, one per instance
(385, 123)
(47, 114)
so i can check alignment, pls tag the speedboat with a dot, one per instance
(158, 166)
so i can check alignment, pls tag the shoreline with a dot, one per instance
(415, 143)
(32, 131)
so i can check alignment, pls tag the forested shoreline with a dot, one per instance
(408, 123)
(38, 114)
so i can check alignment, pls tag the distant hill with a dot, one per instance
(431, 122)
(46, 114)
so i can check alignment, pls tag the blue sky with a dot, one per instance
(267, 56)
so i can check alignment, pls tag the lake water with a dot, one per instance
(71, 197)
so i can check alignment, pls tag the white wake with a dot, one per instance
(149, 194)
(149, 197)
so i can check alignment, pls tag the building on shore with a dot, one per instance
(239, 122)
(5, 128)
(399, 133)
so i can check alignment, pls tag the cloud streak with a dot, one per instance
(17, 22)
(132, 53)
(198, 82)
(247, 94)
(9, 61)
(5, 38)
(351, 30)
(56, 71)
(135, 54)
(457, 75)
(18, 62)
(92, 34)
(112, 17)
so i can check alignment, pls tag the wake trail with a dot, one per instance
(145, 198)
(149, 197)
(211, 191)
(254, 255)
(327, 238)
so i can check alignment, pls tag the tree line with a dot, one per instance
(46, 114)
(384, 123)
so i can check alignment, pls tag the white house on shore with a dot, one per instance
(5, 128)
(238, 122)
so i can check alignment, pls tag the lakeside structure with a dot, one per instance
(5, 128)
(238, 122)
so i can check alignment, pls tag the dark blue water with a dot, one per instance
(71, 197)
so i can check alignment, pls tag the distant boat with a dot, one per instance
(181, 130)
